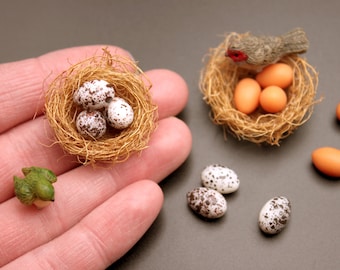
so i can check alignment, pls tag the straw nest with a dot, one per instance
(129, 82)
(218, 81)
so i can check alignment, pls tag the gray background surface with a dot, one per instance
(176, 35)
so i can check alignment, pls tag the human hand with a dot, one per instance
(98, 213)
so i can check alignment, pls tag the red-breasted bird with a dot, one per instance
(256, 52)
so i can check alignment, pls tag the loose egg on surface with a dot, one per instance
(273, 99)
(207, 202)
(220, 178)
(246, 95)
(94, 94)
(274, 215)
(327, 161)
(338, 111)
(119, 113)
(91, 124)
(278, 74)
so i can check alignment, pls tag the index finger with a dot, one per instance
(23, 83)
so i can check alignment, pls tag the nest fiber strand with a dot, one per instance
(219, 79)
(129, 83)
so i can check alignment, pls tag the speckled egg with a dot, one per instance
(94, 95)
(274, 215)
(207, 202)
(119, 113)
(220, 178)
(91, 124)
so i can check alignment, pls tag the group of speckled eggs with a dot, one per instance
(265, 91)
(100, 107)
(208, 201)
(218, 180)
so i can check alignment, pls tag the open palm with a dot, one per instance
(98, 213)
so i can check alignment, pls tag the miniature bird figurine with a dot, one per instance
(256, 52)
(36, 187)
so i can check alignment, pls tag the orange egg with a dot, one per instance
(327, 161)
(246, 95)
(338, 111)
(278, 74)
(273, 99)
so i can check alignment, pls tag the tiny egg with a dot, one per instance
(337, 111)
(94, 95)
(327, 160)
(91, 124)
(246, 95)
(119, 113)
(278, 74)
(220, 178)
(273, 99)
(207, 202)
(274, 215)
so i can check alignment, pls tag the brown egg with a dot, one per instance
(246, 95)
(273, 99)
(278, 74)
(327, 161)
(338, 111)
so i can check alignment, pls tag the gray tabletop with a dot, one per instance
(176, 35)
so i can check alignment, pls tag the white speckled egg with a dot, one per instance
(91, 124)
(220, 178)
(207, 202)
(274, 215)
(119, 113)
(94, 95)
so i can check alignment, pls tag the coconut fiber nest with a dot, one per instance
(129, 82)
(219, 79)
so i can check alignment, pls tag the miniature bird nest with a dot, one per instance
(129, 82)
(219, 79)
